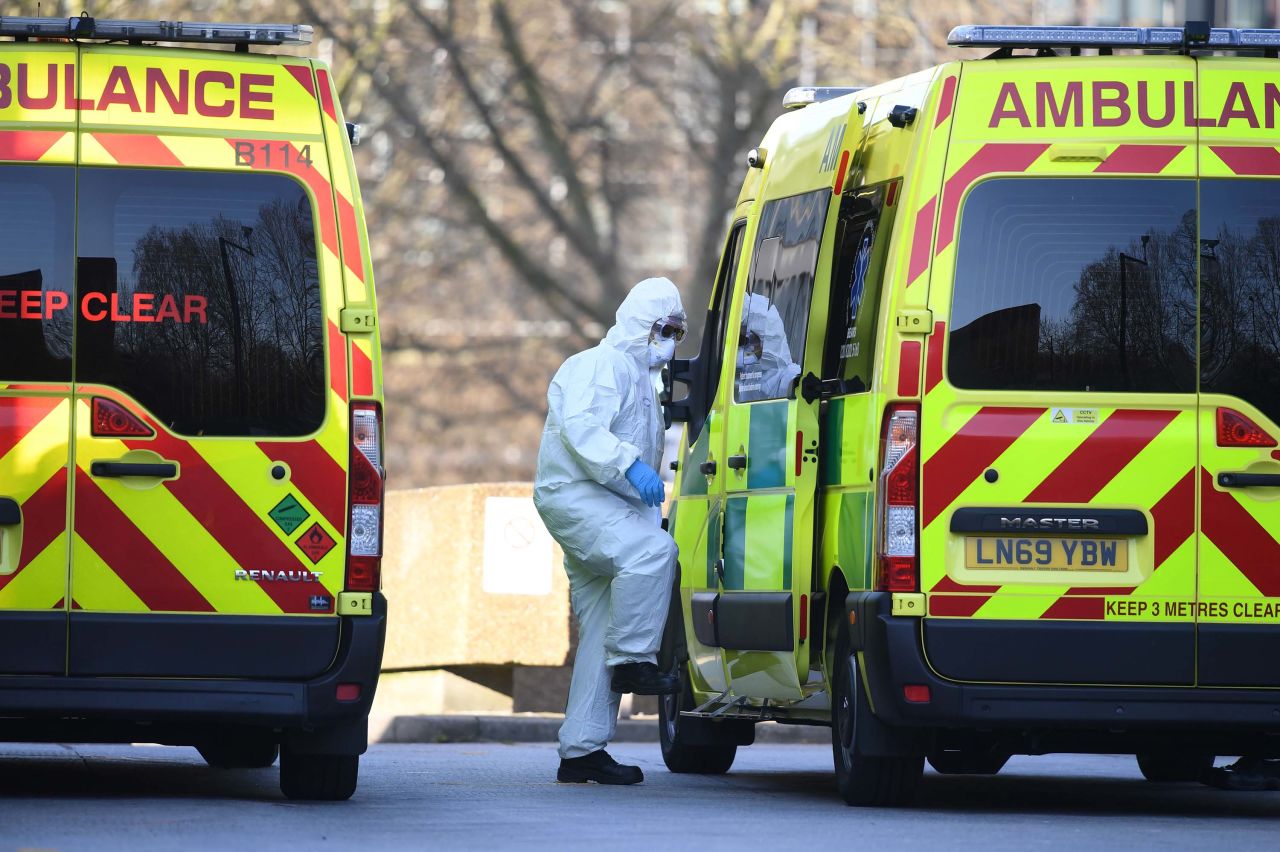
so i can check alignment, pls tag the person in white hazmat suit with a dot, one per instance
(598, 491)
(765, 369)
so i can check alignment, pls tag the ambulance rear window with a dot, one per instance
(198, 293)
(36, 251)
(1076, 285)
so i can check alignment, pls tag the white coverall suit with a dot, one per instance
(772, 376)
(602, 415)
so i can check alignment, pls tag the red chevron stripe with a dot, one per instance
(338, 361)
(241, 531)
(947, 101)
(1101, 457)
(129, 149)
(361, 372)
(302, 73)
(130, 554)
(350, 236)
(1249, 159)
(992, 157)
(1174, 517)
(921, 237)
(27, 146)
(909, 368)
(1084, 609)
(946, 584)
(956, 606)
(321, 479)
(19, 415)
(326, 94)
(1245, 542)
(961, 460)
(44, 518)
(1139, 159)
(933, 363)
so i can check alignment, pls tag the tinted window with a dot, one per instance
(36, 222)
(1074, 284)
(862, 242)
(1240, 291)
(776, 313)
(199, 295)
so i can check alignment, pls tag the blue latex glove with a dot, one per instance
(645, 480)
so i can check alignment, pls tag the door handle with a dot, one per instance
(1249, 480)
(708, 468)
(737, 462)
(162, 470)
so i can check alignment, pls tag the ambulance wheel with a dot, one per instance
(678, 755)
(319, 777)
(863, 779)
(1165, 767)
(247, 752)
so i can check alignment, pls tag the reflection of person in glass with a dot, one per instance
(765, 368)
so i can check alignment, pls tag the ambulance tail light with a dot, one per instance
(368, 482)
(899, 503)
(1236, 430)
(113, 420)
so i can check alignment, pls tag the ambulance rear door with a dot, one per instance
(1058, 423)
(1239, 478)
(37, 262)
(211, 419)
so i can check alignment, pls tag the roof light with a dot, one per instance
(802, 96)
(1141, 38)
(166, 31)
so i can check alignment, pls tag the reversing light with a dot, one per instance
(113, 420)
(1237, 430)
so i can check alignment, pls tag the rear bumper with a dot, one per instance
(28, 703)
(892, 657)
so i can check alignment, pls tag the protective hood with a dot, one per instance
(649, 301)
(764, 319)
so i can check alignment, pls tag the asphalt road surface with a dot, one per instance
(495, 797)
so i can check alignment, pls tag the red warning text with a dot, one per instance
(102, 307)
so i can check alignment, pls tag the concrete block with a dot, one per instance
(472, 578)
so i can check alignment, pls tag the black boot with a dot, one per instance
(598, 767)
(643, 679)
(1247, 773)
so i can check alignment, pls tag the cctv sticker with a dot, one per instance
(1073, 415)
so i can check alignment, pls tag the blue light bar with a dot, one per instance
(187, 32)
(1136, 38)
(802, 96)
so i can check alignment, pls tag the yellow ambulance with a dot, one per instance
(191, 475)
(981, 446)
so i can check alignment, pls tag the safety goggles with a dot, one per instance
(667, 330)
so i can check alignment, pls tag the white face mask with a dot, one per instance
(661, 351)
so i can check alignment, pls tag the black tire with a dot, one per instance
(319, 777)
(680, 756)
(860, 778)
(246, 752)
(967, 763)
(1166, 767)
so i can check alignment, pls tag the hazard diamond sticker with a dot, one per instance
(315, 542)
(289, 514)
